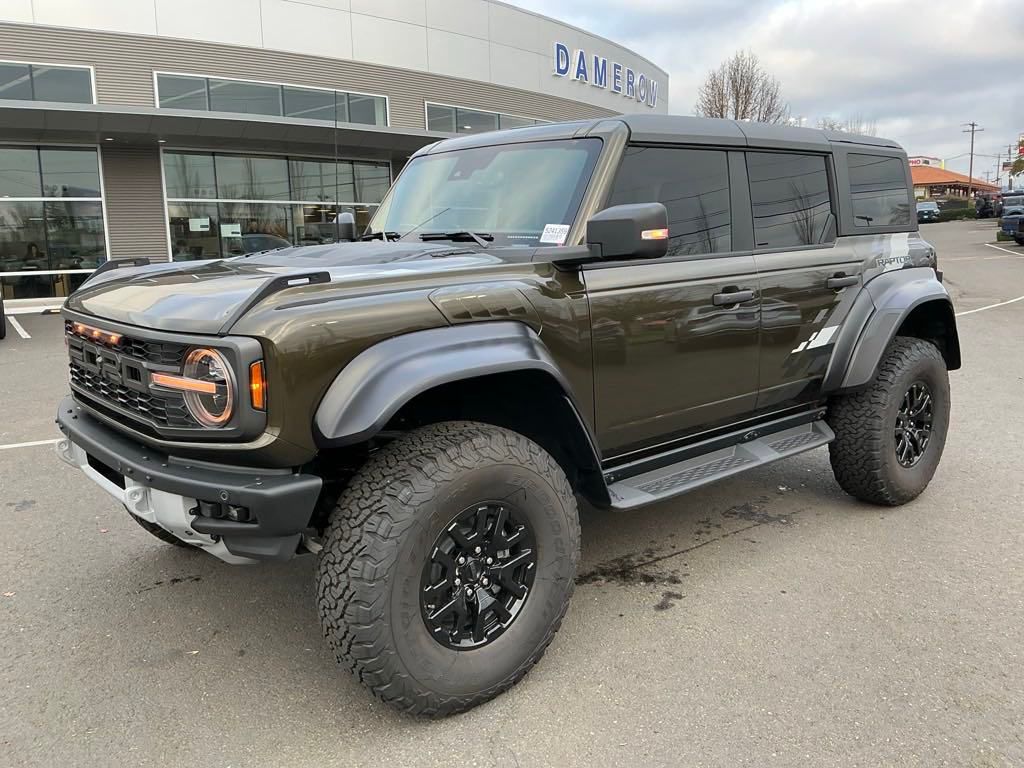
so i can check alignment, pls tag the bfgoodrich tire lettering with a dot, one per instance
(381, 534)
(864, 453)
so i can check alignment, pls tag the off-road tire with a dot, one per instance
(164, 536)
(381, 533)
(863, 455)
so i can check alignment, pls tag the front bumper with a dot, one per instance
(165, 490)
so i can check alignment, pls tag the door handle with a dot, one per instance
(841, 281)
(734, 296)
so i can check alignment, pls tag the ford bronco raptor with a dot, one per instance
(618, 311)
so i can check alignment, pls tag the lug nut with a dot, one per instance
(478, 550)
(462, 561)
(458, 582)
(485, 581)
(469, 592)
(490, 561)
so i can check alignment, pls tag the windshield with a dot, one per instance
(1008, 201)
(519, 194)
(927, 206)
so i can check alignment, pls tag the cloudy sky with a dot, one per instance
(920, 69)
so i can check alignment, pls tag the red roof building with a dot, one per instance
(931, 181)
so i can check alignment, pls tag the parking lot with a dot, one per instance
(767, 620)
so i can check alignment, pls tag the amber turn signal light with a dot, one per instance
(88, 332)
(258, 385)
(654, 234)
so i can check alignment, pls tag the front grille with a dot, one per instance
(115, 377)
(165, 411)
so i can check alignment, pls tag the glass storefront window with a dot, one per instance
(65, 84)
(19, 172)
(70, 172)
(250, 227)
(194, 231)
(189, 175)
(15, 82)
(223, 95)
(178, 92)
(440, 118)
(511, 121)
(44, 82)
(312, 104)
(248, 98)
(251, 177)
(43, 242)
(372, 182)
(447, 119)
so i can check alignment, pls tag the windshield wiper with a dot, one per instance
(480, 238)
(385, 236)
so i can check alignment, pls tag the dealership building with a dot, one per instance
(191, 129)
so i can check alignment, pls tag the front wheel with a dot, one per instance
(447, 566)
(890, 435)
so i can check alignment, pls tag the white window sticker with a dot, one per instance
(199, 225)
(230, 230)
(554, 234)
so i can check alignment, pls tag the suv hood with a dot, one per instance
(207, 296)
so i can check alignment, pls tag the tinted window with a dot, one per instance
(878, 189)
(243, 177)
(189, 175)
(182, 92)
(692, 184)
(365, 109)
(440, 118)
(472, 121)
(790, 199)
(19, 172)
(70, 172)
(62, 84)
(250, 98)
(314, 105)
(15, 82)
(372, 182)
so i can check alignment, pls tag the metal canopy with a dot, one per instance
(49, 122)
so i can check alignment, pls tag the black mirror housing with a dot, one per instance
(345, 226)
(636, 231)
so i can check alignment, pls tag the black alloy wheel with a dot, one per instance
(479, 575)
(914, 424)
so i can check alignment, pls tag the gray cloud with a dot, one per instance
(918, 70)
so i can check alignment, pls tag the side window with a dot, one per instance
(878, 189)
(790, 199)
(693, 184)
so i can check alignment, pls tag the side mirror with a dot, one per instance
(345, 227)
(638, 231)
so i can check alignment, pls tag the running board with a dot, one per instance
(683, 476)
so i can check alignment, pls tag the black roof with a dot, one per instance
(674, 129)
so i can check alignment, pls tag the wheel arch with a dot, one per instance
(499, 373)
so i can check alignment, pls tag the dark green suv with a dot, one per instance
(617, 310)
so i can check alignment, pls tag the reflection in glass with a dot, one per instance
(248, 98)
(250, 227)
(878, 188)
(369, 110)
(790, 199)
(70, 172)
(15, 82)
(312, 104)
(177, 92)
(692, 184)
(247, 177)
(473, 121)
(19, 172)
(67, 84)
(372, 182)
(440, 118)
(189, 175)
(194, 232)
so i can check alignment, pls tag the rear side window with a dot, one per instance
(878, 189)
(790, 198)
(692, 184)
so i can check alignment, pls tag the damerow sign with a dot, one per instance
(600, 73)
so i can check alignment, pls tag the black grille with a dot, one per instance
(169, 411)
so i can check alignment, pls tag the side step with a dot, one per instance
(683, 476)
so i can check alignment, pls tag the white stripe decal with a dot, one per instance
(823, 337)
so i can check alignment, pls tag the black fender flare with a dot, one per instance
(879, 311)
(371, 389)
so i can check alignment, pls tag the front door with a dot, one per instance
(674, 350)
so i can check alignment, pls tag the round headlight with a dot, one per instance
(210, 405)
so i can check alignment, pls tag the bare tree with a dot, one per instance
(741, 89)
(854, 124)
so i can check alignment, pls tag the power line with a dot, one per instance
(972, 128)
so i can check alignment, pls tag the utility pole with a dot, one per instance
(971, 128)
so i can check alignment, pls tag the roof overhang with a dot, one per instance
(47, 122)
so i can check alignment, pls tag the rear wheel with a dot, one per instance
(890, 435)
(448, 565)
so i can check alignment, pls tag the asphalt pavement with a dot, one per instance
(768, 620)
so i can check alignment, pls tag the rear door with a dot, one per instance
(807, 281)
(673, 351)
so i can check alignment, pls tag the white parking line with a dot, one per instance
(17, 326)
(1004, 250)
(990, 306)
(28, 445)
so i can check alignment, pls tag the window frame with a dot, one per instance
(846, 224)
(830, 172)
(89, 67)
(281, 85)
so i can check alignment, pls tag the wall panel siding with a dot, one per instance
(125, 64)
(135, 202)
